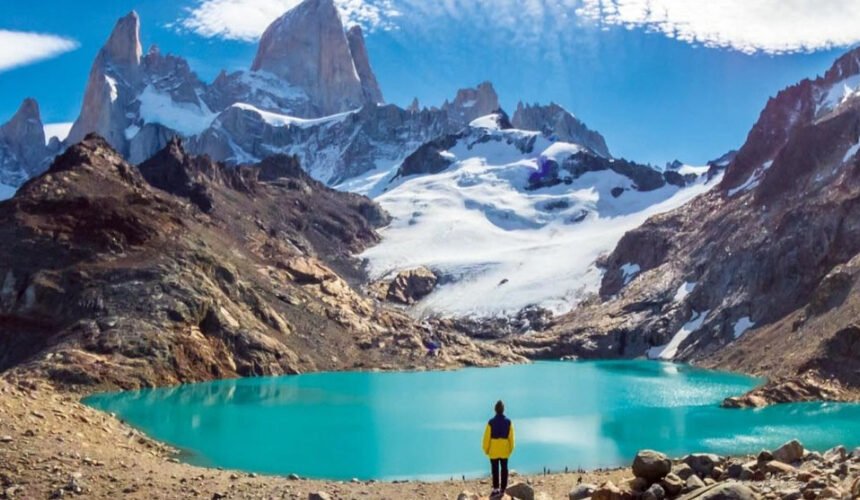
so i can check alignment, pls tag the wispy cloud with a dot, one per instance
(769, 26)
(247, 19)
(19, 48)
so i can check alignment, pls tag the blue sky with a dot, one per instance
(683, 83)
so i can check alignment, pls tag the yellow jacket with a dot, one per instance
(499, 438)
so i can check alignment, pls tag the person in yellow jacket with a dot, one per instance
(498, 446)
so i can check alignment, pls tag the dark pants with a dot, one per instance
(494, 466)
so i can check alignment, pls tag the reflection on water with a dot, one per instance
(392, 425)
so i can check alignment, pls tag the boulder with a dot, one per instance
(655, 492)
(739, 471)
(581, 491)
(319, 495)
(307, 271)
(722, 491)
(651, 465)
(608, 491)
(777, 467)
(830, 492)
(638, 484)
(521, 491)
(694, 483)
(468, 495)
(717, 472)
(683, 471)
(855, 488)
(790, 452)
(836, 454)
(411, 286)
(703, 463)
(672, 484)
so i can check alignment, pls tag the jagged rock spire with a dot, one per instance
(25, 126)
(308, 48)
(123, 47)
(114, 72)
(369, 84)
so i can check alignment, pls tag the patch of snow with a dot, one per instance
(560, 151)
(7, 192)
(114, 94)
(470, 103)
(742, 325)
(693, 170)
(838, 93)
(752, 181)
(183, 117)
(272, 84)
(479, 225)
(280, 120)
(852, 151)
(58, 130)
(670, 350)
(489, 122)
(683, 291)
(629, 272)
(131, 131)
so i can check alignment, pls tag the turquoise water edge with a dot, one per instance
(429, 425)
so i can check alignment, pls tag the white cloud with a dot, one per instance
(247, 19)
(770, 26)
(19, 48)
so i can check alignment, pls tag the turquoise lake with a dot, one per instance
(429, 425)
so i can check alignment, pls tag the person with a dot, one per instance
(498, 446)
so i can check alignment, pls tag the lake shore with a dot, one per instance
(51, 445)
(50, 442)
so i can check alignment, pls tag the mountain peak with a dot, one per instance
(555, 121)
(372, 92)
(123, 47)
(25, 133)
(308, 48)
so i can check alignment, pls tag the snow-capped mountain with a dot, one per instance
(509, 218)
(509, 212)
(23, 151)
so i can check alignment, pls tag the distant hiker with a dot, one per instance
(498, 446)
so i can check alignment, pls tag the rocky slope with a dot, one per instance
(23, 152)
(759, 275)
(187, 270)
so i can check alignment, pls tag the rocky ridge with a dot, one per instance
(759, 275)
(310, 91)
(186, 270)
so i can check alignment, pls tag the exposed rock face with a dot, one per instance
(411, 286)
(308, 48)
(744, 271)
(806, 387)
(644, 177)
(470, 104)
(369, 84)
(553, 120)
(23, 152)
(218, 272)
(307, 70)
(112, 86)
(136, 102)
